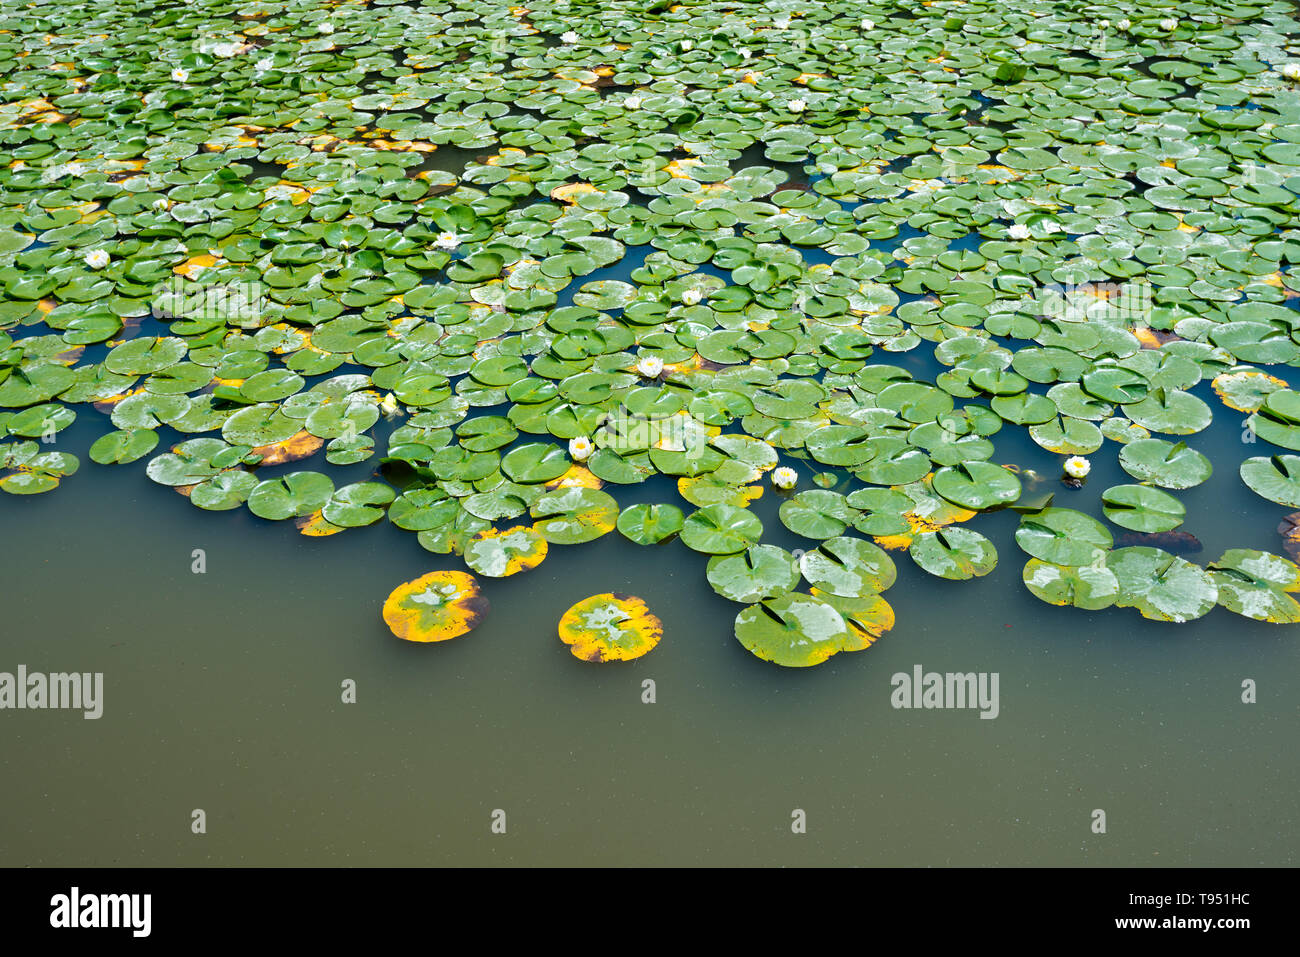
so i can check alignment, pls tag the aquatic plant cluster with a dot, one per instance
(687, 240)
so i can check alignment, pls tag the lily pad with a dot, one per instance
(571, 516)
(498, 554)
(721, 529)
(1163, 587)
(1166, 464)
(610, 627)
(956, 553)
(435, 607)
(1142, 509)
(793, 630)
(759, 572)
(1276, 478)
(848, 568)
(1090, 587)
(1062, 536)
(650, 524)
(1256, 584)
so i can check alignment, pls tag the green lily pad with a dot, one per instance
(1276, 478)
(721, 529)
(295, 495)
(977, 485)
(1090, 587)
(848, 568)
(955, 553)
(754, 574)
(792, 630)
(1163, 587)
(1164, 463)
(817, 513)
(123, 446)
(358, 504)
(1062, 536)
(571, 516)
(1255, 584)
(650, 524)
(1141, 508)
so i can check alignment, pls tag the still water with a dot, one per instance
(222, 692)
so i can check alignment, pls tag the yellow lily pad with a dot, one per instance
(610, 627)
(435, 607)
(499, 554)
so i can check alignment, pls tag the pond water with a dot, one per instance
(222, 691)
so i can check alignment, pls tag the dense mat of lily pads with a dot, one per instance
(572, 246)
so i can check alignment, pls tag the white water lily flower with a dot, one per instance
(1169, 24)
(633, 103)
(179, 75)
(1124, 24)
(785, 477)
(688, 46)
(325, 27)
(569, 36)
(159, 204)
(1103, 24)
(447, 241)
(1077, 467)
(264, 64)
(1291, 71)
(580, 448)
(797, 106)
(96, 259)
(1018, 231)
(227, 49)
(650, 366)
(868, 24)
(691, 297)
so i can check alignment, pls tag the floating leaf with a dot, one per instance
(793, 630)
(435, 607)
(295, 495)
(1276, 478)
(353, 506)
(956, 553)
(721, 529)
(1255, 584)
(123, 447)
(500, 553)
(1142, 509)
(572, 516)
(1164, 463)
(1091, 587)
(1161, 586)
(1062, 536)
(758, 572)
(650, 524)
(867, 618)
(610, 627)
(977, 485)
(848, 568)
(817, 514)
